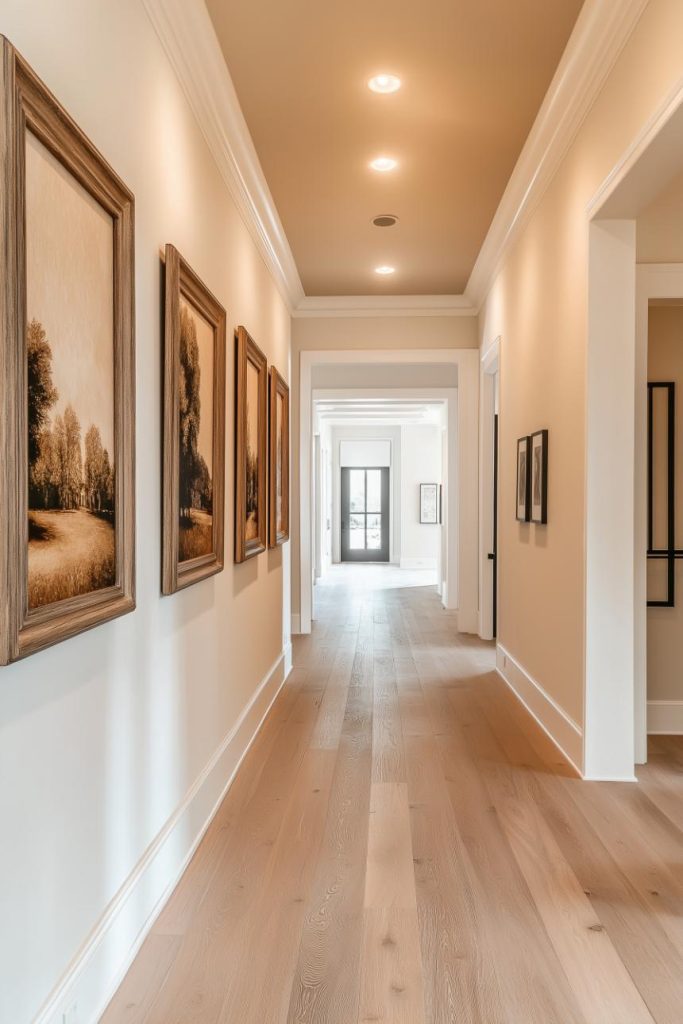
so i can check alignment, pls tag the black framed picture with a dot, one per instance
(523, 479)
(539, 477)
(429, 503)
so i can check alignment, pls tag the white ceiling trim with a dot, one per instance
(189, 39)
(600, 34)
(384, 305)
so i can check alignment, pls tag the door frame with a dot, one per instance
(489, 401)
(653, 281)
(392, 435)
(462, 591)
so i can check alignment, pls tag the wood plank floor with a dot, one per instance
(403, 844)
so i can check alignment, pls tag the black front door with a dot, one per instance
(365, 515)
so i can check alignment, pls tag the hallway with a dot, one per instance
(403, 844)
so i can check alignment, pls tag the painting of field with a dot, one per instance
(252, 483)
(71, 553)
(195, 400)
(70, 371)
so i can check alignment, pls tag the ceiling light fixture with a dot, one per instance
(384, 163)
(384, 271)
(384, 83)
(385, 220)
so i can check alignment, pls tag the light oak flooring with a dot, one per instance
(403, 844)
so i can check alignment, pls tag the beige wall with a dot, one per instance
(103, 736)
(538, 305)
(659, 231)
(665, 625)
(357, 333)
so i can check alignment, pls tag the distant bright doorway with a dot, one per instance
(365, 514)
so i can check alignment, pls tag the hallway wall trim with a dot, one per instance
(564, 732)
(665, 717)
(187, 35)
(602, 30)
(99, 967)
(383, 305)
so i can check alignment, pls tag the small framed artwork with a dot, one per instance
(523, 479)
(251, 440)
(539, 477)
(67, 374)
(278, 507)
(429, 503)
(194, 428)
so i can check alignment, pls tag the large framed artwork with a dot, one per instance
(278, 507)
(429, 503)
(67, 384)
(523, 479)
(539, 477)
(193, 518)
(251, 441)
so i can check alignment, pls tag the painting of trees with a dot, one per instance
(98, 480)
(195, 487)
(68, 473)
(65, 471)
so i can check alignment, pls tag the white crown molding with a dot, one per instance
(384, 305)
(189, 39)
(600, 34)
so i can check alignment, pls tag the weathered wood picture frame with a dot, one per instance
(251, 447)
(278, 463)
(538, 484)
(193, 501)
(523, 486)
(68, 564)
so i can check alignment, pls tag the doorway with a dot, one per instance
(493, 554)
(365, 514)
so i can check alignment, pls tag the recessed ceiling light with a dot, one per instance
(384, 270)
(385, 220)
(384, 83)
(383, 163)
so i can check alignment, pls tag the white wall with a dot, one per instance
(362, 435)
(420, 464)
(115, 746)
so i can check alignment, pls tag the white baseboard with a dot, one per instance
(418, 563)
(565, 733)
(296, 625)
(100, 965)
(288, 656)
(665, 717)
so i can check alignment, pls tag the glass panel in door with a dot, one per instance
(365, 515)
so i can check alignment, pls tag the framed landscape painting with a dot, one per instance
(251, 441)
(278, 525)
(193, 522)
(539, 477)
(67, 385)
(523, 479)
